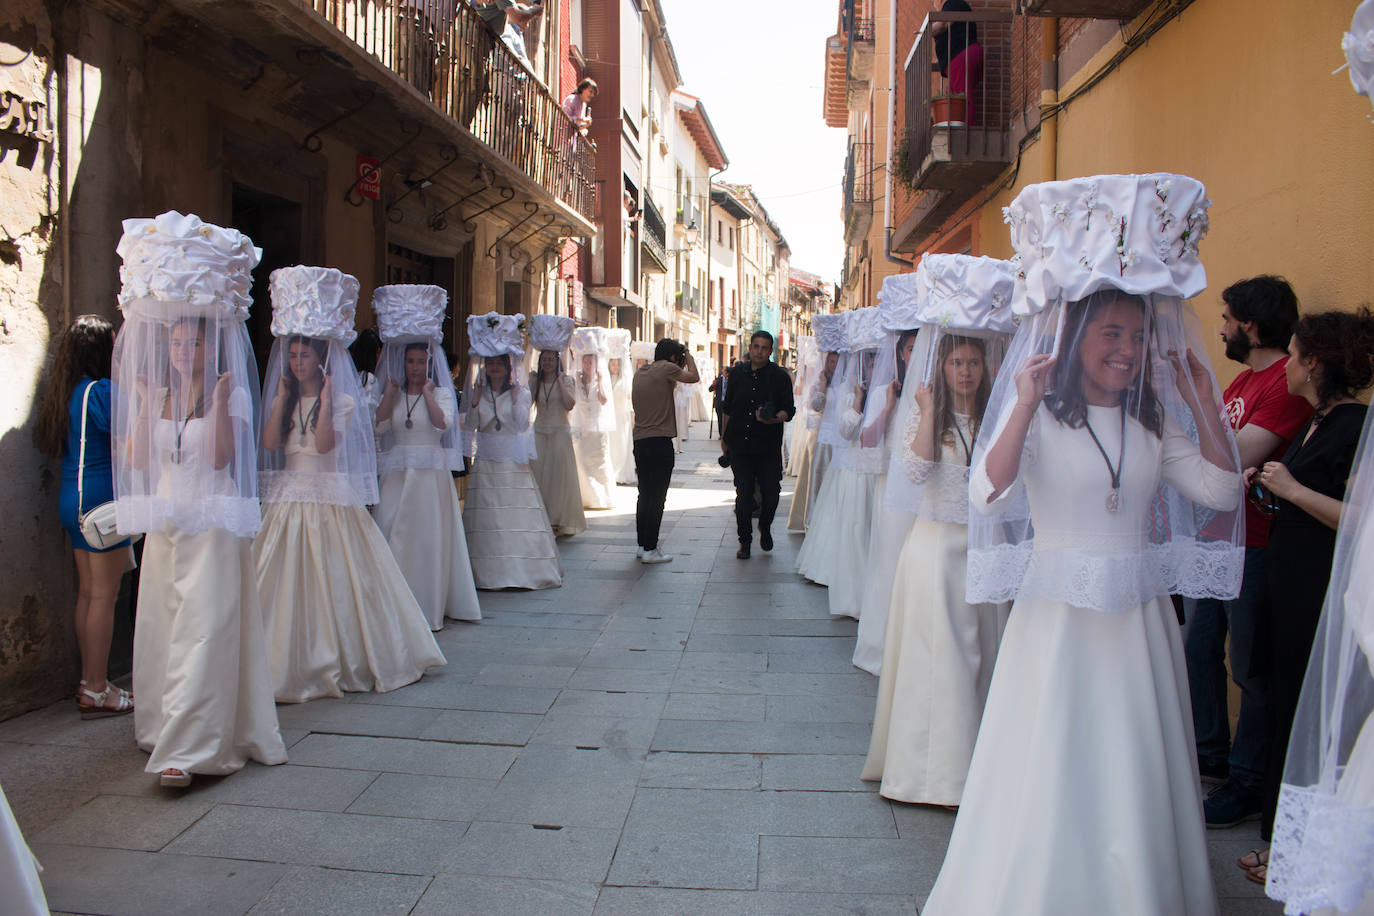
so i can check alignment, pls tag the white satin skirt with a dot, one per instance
(799, 465)
(835, 552)
(200, 660)
(890, 530)
(1083, 786)
(509, 537)
(20, 886)
(598, 475)
(336, 609)
(419, 515)
(556, 472)
(622, 450)
(938, 657)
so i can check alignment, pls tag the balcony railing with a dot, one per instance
(862, 30)
(654, 237)
(858, 175)
(445, 50)
(957, 117)
(689, 298)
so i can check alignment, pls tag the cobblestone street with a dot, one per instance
(683, 738)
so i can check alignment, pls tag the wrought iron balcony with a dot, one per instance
(688, 298)
(446, 51)
(858, 191)
(957, 119)
(653, 238)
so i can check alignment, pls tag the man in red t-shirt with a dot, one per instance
(1257, 316)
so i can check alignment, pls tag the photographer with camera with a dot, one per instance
(758, 401)
(655, 426)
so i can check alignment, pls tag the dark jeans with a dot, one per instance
(1205, 651)
(654, 468)
(761, 469)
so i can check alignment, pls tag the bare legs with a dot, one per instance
(97, 576)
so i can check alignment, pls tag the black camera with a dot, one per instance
(768, 411)
(724, 460)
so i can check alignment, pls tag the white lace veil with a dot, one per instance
(185, 384)
(961, 300)
(499, 411)
(410, 321)
(808, 363)
(591, 382)
(1323, 850)
(1105, 264)
(312, 320)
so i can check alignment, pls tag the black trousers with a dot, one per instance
(654, 469)
(764, 471)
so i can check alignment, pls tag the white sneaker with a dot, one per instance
(639, 553)
(655, 556)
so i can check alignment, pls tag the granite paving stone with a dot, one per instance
(401, 755)
(439, 797)
(579, 854)
(339, 892)
(126, 822)
(449, 894)
(662, 856)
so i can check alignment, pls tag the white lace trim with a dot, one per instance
(1085, 576)
(238, 515)
(1323, 851)
(942, 489)
(324, 487)
(516, 447)
(419, 457)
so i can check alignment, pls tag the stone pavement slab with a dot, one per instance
(683, 738)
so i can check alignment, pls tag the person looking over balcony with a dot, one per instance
(959, 55)
(578, 106)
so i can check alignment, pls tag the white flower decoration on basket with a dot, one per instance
(496, 335)
(409, 311)
(315, 302)
(1136, 233)
(962, 292)
(178, 258)
(550, 332)
(1358, 45)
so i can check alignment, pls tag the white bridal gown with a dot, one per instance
(509, 536)
(597, 477)
(938, 650)
(419, 515)
(200, 660)
(1082, 796)
(555, 463)
(337, 610)
(622, 440)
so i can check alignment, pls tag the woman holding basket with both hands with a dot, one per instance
(420, 446)
(554, 463)
(337, 610)
(185, 461)
(1105, 481)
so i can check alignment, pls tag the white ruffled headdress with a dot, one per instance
(314, 302)
(493, 334)
(409, 311)
(177, 258)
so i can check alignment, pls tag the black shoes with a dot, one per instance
(742, 553)
(766, 540)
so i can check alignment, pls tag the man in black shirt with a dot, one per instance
(758, 401)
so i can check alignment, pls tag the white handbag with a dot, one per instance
(98, 525)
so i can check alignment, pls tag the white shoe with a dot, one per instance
(639, 553)
(655, 556)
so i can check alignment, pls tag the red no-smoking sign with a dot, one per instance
(369, 177)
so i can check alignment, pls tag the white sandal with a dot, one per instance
(98, 709)
(109, 685)
(174, 779)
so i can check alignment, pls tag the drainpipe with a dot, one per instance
(1049, 99)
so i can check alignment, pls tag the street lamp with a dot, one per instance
(690, 235)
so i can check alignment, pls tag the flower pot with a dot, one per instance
(949, 111)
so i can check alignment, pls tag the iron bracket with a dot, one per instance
(447, 152)
(312, 142)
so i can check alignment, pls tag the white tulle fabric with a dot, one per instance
(395, 451)
(166, 430)
(899, 299)
(1182, 533)
(808, 364)
(829, 330)
(1323, 848)
(296, 470)
(622, 443)
(592, 382)
(314, 302)
(410, 310)
(500, 434)
(1358, 45)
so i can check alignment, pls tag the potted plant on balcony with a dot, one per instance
(949, 109)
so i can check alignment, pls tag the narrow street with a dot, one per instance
(683, 738)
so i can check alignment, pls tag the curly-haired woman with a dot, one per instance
(78, 387)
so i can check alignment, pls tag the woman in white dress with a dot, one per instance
(938, 650)
(1107, 462)
(554, 464)
(509, 535)
(593, 418)
(336, 608)
(186, 474)
(815, 458)
(835, 552)
(622, 442)
(801, 436)
(420, 446)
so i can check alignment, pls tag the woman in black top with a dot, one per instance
(1331, 361)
